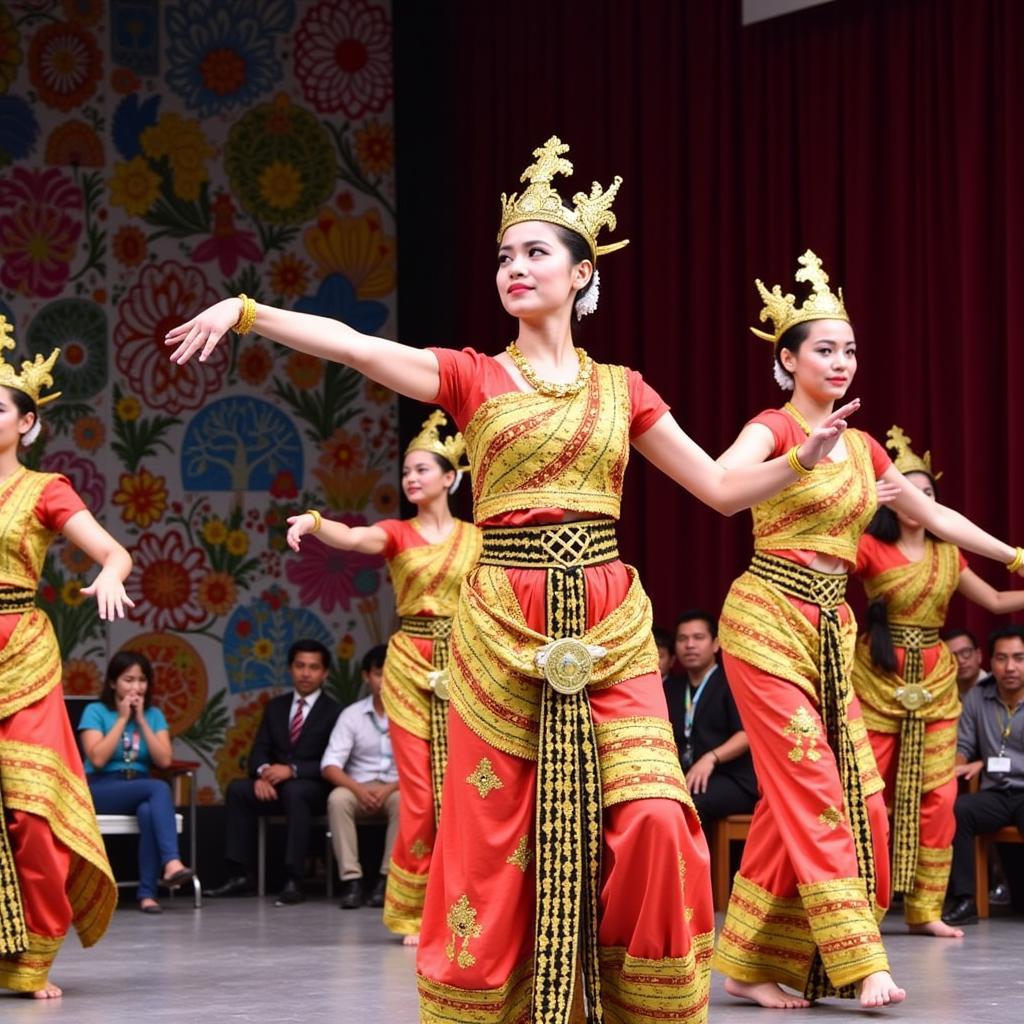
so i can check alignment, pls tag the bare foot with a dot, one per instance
(878, 989)
(48, 991)
(765, 993)
(410, 940)
(937, 928)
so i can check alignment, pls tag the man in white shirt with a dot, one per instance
(360, 765)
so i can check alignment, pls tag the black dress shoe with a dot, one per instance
(239, 885)
(963, 911)
(351, 894)
(377, 896)
(289, 895)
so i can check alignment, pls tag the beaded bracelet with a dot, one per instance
(247, 318)
(794, 462)
(1018, 561)
(317, 519)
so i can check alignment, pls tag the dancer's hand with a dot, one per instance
(203, 332)
(887, 492)
(824, 437)
(111, 598)
(298, 527)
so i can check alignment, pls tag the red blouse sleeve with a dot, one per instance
(868, 556)
(393, 529)
(880, 460)
(647, 406)
(781, 426)
(964, 564)
(57, 504)
(462, 374)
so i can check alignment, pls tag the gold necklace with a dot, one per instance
(799, 417)
(547, 387)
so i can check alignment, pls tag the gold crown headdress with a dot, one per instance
(429, 440)
(34, 376)
(539, 201)
(907, 460)
(821, 304)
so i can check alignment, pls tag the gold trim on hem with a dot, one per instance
(29, 971)
(403, 900)
(449, 1004)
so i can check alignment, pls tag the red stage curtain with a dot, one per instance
(882, 135)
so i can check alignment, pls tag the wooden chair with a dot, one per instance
(724, 832)
(982, 844)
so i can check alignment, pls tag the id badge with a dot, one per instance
(998, 765)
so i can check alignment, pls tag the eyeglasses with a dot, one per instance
(963, 653)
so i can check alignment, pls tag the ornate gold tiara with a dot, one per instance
(539, 201)
(907, 460)
(429, 440)
(781, 309)
(35, 375)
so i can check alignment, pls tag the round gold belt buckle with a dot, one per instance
(912, 696)
(569, 666)
(439, 684)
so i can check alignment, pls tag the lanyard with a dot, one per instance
(1006, 726)
(690, 702)
(130, 744)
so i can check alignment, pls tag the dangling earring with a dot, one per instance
(782, 376)
(586, 304)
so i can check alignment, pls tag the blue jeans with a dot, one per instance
(150, 801)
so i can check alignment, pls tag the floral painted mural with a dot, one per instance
(156, 155)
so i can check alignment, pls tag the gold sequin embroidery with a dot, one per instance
(523, 855)
(462, 923)
(484, 779)
(803, 728)
(830, 817)
(419, 849)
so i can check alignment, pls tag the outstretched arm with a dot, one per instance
(741, 477)
(945, 522)
(410, 371)
(369, 540)
(999, 602)
(108, 587)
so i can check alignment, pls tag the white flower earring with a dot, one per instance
(782, 376)
(588, 303)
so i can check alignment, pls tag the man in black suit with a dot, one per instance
(284, 774)
(713, 746)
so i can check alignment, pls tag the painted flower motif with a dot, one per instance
(227, 245)
(342, 451)
(280, 162)
(19, 129)
(237, 543)
(346, 647)
(74, 144)
(64, 64)
(255, 364)
(165, 583)
(163, 296)
(357, 247)
(343, 58)
(215, 531)
(81, 679)
(182, 142)
(223, 53)
(75, 560)
(79, 327)
(284, 485)
(87, 12)
(378, 393)
(385, 500)
(89, 433)
(131, 118)
(375, 147)
(263, 649)
(333, 578)
(304, 371)
(39, 230)
(83, 474)
(337, 298)
(128, 409)
(71, 593)
(142, 497)
(134, 186)
(10, 50)
(289, 276)
(232, 758)
(218, 593)
(124, 81)
(129, 245)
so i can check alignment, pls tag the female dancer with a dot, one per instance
(123, 736)
(53, 868)
(566, 829)
(905, 679)
(815, 870)
(427, 557)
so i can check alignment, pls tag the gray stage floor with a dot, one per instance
(246, 960)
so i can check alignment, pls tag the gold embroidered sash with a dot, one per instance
(824, 511)
(527, 450)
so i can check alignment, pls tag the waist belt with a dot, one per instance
(428, 627)
(828, 592)
(17, 600)
(563, 546)
(913, 637)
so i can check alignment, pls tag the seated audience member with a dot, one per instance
(123, 737)
(990, 744)
(284, 774)
(964, 648)
(713, 747)
(663, 641)
(359, 764)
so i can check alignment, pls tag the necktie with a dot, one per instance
(295, 728)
